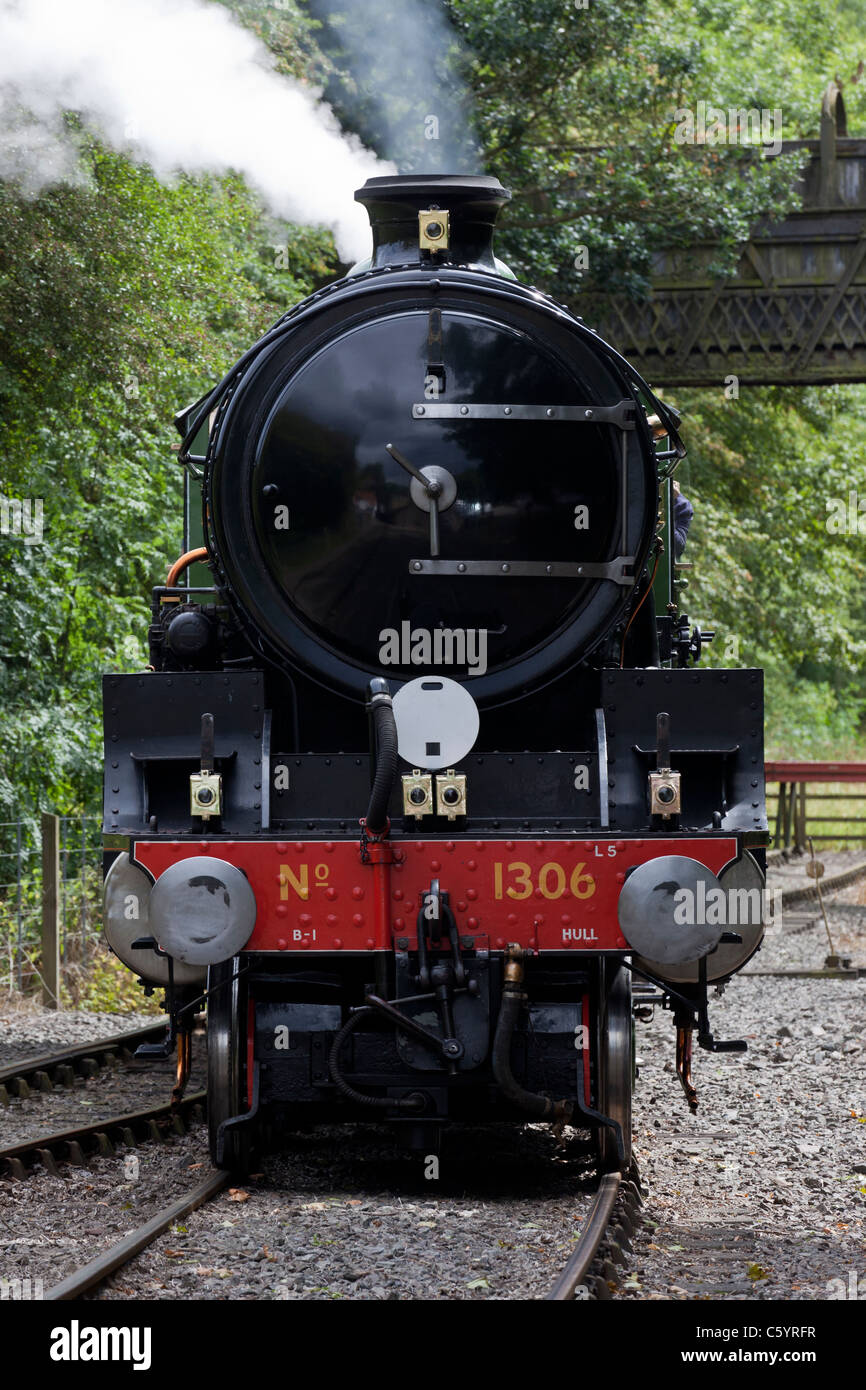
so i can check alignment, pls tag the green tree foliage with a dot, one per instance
(767, 474)
(120, 300)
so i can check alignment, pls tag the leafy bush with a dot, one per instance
(103, 984)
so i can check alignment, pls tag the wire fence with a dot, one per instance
(76, 886)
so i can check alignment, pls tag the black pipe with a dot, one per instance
(513, 999)
(385, 753)
(539, 1106)
(411, 1102)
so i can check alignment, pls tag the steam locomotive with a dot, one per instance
(422, 791)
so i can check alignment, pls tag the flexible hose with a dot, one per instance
(385, 729)
(375, 1102)
(539, 1106)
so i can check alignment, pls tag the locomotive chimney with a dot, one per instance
(439, 219)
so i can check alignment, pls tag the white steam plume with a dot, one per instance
(181, 85)
(408, 65)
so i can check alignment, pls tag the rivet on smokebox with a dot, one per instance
(370, 943)
(282, 943)
(357, 892)
(282, 909)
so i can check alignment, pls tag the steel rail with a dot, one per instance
(807, 892)
(38, 1070)
(591, 1235)
(68, 1146)
(98, 1270)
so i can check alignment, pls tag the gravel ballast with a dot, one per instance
(348, 1216)
(762, 1194)
(35, 1032)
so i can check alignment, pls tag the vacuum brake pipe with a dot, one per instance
(412, 1102)
(384, 728)
(513, 1000)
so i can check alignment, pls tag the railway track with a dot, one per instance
(101, 1138)
(604, 1240)
(808, 893)
(588, 1275)
(20, 1079)
(91, 1275)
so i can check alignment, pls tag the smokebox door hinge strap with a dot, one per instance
(623, 414)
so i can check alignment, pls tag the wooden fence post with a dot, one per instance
(50, 910)
(801, 818)
(780, 816)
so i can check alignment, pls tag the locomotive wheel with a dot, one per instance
(615, 1063)
(226, 1065)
